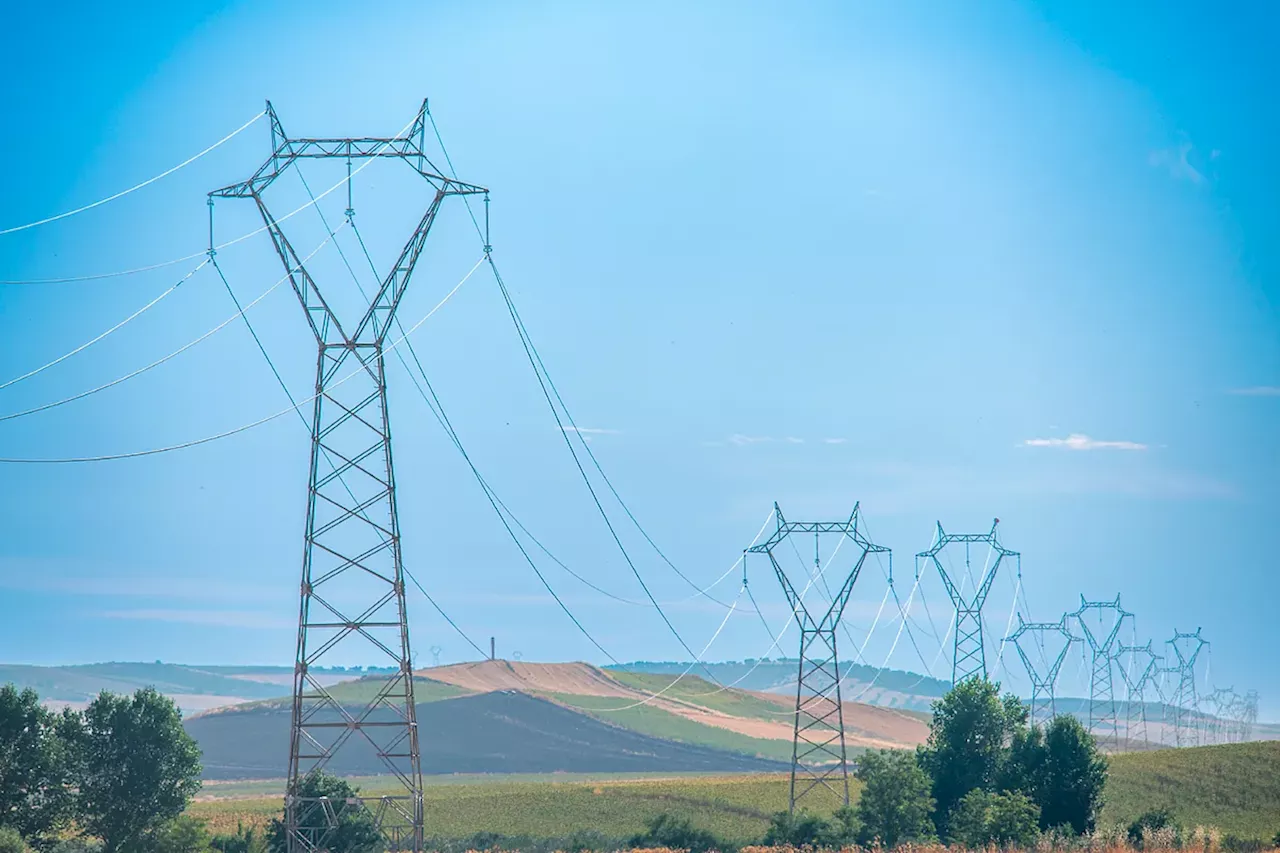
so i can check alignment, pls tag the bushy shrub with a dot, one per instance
(11, 841)
(243, 840)
(982, 818)
(1148, 822)
(896, 804)
(677, 833)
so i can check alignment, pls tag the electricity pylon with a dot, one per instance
(1249, 715)
(1222, 706)
(818, 756)
(1042, 682)
(968, 657)
(1137, 680)
(352, 595)
(1186, 651)
(1102, 699)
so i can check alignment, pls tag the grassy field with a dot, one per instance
(1235, 788)
(656, 722)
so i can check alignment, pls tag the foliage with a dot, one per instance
(74, 844)
(969, 738)
(246, 839)
(1149, 820)
(676, 833)
(355, 831)
(982, 818)
(140, 768)
(36, 763)
(183, 834)
(896, 804)
(1061, 769)
(11, 841)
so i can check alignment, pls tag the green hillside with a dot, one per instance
(358, 692)
(1235, 787)
(82, 683)
(656, 722)
(699, 691)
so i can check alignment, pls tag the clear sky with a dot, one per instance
(953, 261)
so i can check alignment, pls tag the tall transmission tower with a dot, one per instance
(968, 658)
(1186, 649)
(1249, 715)
(1043, 677)
(1139, 677)
(1101, 637)
(818, 756)
(352, 596)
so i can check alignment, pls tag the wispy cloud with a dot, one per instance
(1177, 161)
(220, 618)
(1257, 391)
(739, 440)
(791, 439)
(834, 440)
(1079, 441)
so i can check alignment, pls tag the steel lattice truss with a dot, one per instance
(968, 658)
(818, 757)
(1186, 649)
(1139, 677)
(1104, 716)
(1043, 678)
(352, 597)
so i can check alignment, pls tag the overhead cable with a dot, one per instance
(135, 187)
(210, 438)
(114, 328)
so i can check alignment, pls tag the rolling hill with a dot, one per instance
(626, 721)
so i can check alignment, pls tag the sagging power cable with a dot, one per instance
(135, 187)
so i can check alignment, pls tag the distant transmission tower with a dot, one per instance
(1186, 651)
(818, 757)
(1101, 637)
(1139, 677)
(1248, 716)
(435, 655)
(352, 591)
(968, 658)
(1043, 678)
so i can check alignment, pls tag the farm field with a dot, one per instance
(1235, 788)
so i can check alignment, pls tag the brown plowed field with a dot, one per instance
(577, 678)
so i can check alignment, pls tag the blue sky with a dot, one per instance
(955, 262)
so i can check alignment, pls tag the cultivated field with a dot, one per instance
(1235, 788)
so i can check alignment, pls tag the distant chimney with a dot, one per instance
(492, 653)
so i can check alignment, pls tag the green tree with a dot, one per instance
(11, 841)
(243, 840)
(969, 738)
(797, 829)
(139, 768)
(354, 830)
(895, 804)
(1008, 819)
(1072, 777)
(36, 763)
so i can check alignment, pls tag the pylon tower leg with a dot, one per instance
(1102, 705)
(818, 756)
(353, 603)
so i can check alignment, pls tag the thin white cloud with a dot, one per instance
(1257, 391)
(1080, 441)
(1177, 161)
(834, 440)
(791, 439)
(220, 618)
(739, 440)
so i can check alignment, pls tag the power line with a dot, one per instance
(244, 428)
(109, 331)
(135, 187)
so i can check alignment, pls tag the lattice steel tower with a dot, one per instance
(968, 658)
(1186, 651)
(1137, 680)
(352, 599)
(1043, 678)
(1103, 714)
(818, 757)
